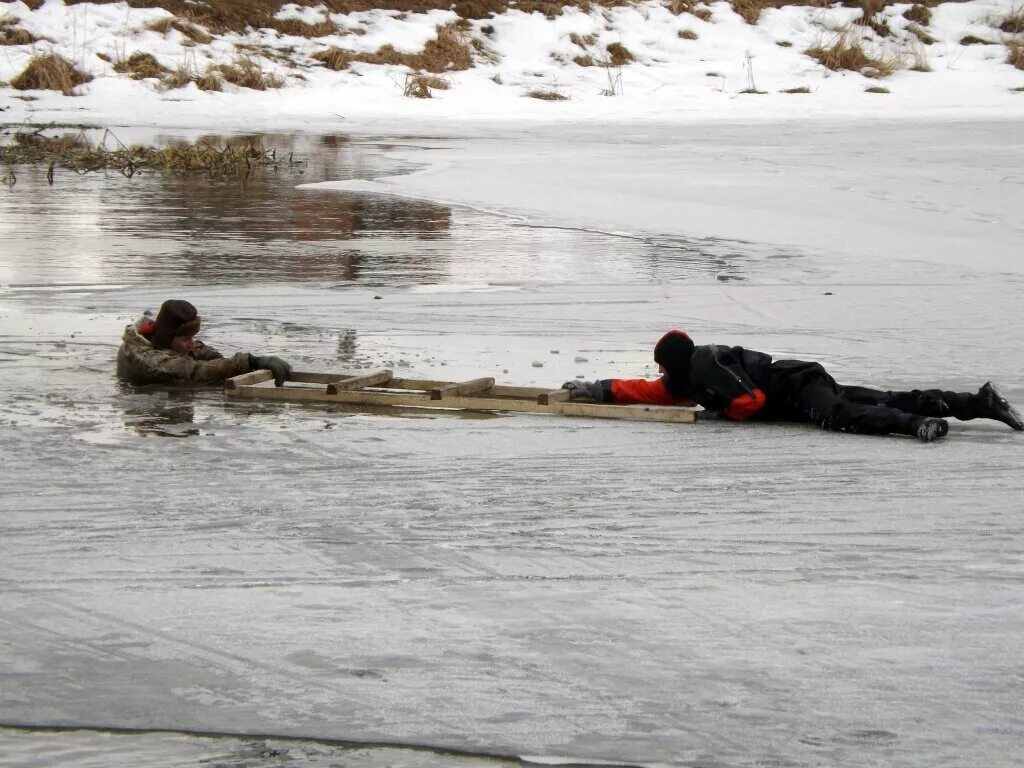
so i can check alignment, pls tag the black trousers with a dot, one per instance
(805, 392)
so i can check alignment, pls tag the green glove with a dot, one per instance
(275, 365)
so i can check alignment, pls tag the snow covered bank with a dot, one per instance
(621, 63)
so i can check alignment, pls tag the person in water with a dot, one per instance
(165, 350)
(743, 384)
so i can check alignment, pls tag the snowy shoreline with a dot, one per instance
(672, 78)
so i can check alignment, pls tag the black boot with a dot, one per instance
(929, 429)
(993, 405)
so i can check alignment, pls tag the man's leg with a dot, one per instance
(814, 395)
(987, 403)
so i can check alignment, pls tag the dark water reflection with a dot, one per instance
(103, 228)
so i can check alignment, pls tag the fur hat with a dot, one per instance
(176, 318)
(673, 352)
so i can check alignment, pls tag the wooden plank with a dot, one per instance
(462, 388)
(357, 382)
(469, 402)
(555, 396)
(253, 377)
(306, 377)
(501, 390)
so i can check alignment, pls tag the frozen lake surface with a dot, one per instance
(705, 595)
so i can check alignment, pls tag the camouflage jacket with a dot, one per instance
(139, 363)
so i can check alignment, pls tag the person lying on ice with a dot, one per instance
(165, 351)
(743, 384)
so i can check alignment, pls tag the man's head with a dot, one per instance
(672, 353)
(176, 323)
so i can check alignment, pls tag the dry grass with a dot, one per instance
(618, 54)
(233, 158)
(919, 59)
(298, 28)
(450, 51)
(246, 72)
(583, 41)
(798, 89)
(140, 66)
(219, 16)
(185, 74)
(750, 10)
(334, 58)
(1015, 55)
(419, 86)
(974, 40)
(50, 72)
(547, 96)
(1013, 22)
(1018, 89)
(844, 52)
(920, 34)
(190, 31)
(919, 14)
(584, 61)
(679, 7)
(783, 43)
(876, 89)
(12, 35)
(687, 34)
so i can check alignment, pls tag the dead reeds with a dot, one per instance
(297, 28)
(546, 95)
(50, 72)
(618, 54)
(189, 30)
(1013, 22)
(246, 72)
(140, 66)
(919, 14)
(1015, 54)
(76, 153)
(449, 51)
(420, 86)
(13, 35)
(844, 52)
(920, 34)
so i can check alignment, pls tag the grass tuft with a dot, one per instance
(334, 58)
(919, 59)
(687, 34)
(619, 54)
(584, 61)
(974, 40)
(920, 34)
(876, 89)
(1015, 55)
(919, 14)
(50, 72)
(844, 52)
(449, 51)
(189, 30)
(583, 41)
(783, 43)
(547, 96)
(297, 28)
(12, 35)
(419, 86)
(1013, 22)
(246, 72)
(140, 66)
(798, 89)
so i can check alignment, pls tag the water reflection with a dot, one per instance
(97, 228)
(159, 413)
